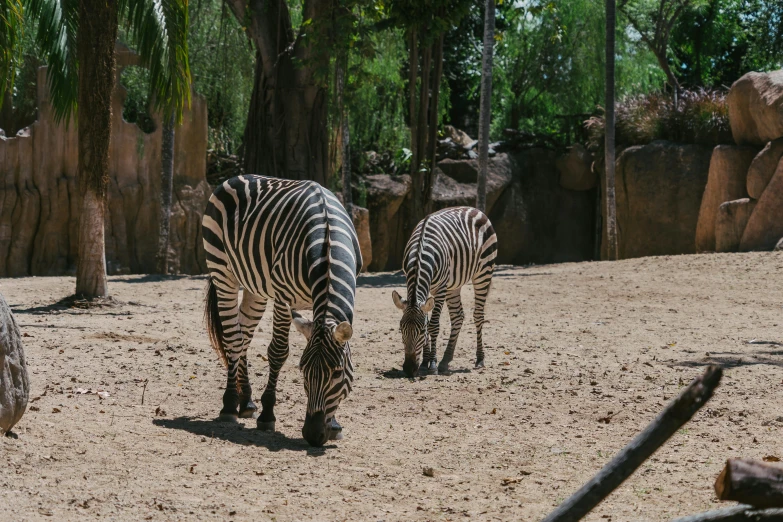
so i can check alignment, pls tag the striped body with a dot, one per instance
(291, 242)
(447, 250)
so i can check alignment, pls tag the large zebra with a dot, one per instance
(447, 249)
(290, 241)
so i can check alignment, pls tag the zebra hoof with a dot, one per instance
(479, 364)
(265, 426)
(228, 417)
(248, 414)
(336, 435)
(443, 369)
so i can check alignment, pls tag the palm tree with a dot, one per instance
(78, 39)
(609, 153)
(10, 28)
(485, 109)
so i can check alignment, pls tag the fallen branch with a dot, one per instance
(751, 482)
(741, 513)
(677, 413)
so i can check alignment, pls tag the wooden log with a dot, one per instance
(677, 413)
(741, 513)
(751, 482)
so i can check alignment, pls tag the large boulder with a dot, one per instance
(658, 193)
(730, 223)
(538, 221)
(575, 169)
(455, 182)
(385, 196)
(361, 222)
(756, 108)
(765, 226)
(14, 381)
(763, 167)
(727, 181)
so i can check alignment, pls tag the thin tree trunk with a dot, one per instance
(95, 51)
(485, 110)
(432, 148)
(166, 190)
(346, 136)
(420, 141)
(611, 207)
(413, 73)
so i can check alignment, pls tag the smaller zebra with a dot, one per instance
(446, 250)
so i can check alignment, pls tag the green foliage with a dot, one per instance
(716, 45)
(136, 81)
(10, 29)
(157, 29)
(376, 95)
(222, 63)
(700, 117)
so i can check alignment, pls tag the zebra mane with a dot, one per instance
(328, 244)
(420, 248)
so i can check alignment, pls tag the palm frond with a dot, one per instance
(159, 30)
(58, 26)
(10, 29)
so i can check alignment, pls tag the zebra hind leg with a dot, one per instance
(231, 340)
(250, 313)
(277, 354)
(481, 286)
(457, 315)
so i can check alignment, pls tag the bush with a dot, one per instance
(701, 117)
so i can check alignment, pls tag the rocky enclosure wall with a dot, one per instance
(39, 196)
(536, 218)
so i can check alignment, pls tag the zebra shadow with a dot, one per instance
(238, 434)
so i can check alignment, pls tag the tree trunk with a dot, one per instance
(432, 145)
(418, 164)
(95, 51)
(286, 133)
(485, 110)
(413, 73)
(345, 131)
(166, 190)
(611, 207)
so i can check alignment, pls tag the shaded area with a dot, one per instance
(66, 304)
(237, 434)
(381, 280)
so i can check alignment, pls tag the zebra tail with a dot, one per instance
(214, 324)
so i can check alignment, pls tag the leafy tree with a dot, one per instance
(78, 38)
(654, 20)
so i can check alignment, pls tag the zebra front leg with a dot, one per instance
(430, 358)
(250, 313)
(457, 315)
(277, 354)
(481, 285)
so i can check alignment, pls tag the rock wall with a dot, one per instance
(659, 189)
(39, 196)
(535, 218)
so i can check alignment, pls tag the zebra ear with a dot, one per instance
(304, 326)
(399, 302)
(343, 332)
(428, 305)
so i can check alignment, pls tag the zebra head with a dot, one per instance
(413, 326)
(328, 374)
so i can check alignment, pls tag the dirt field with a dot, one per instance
(567, 345)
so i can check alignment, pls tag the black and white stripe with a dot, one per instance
(447, 250)
(292, 242)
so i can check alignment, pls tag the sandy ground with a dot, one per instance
(567, 345)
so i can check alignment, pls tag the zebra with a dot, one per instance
(292, 242)
(446, 250)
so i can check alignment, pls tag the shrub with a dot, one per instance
(701, 117)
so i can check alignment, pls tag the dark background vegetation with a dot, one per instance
(547, 76)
